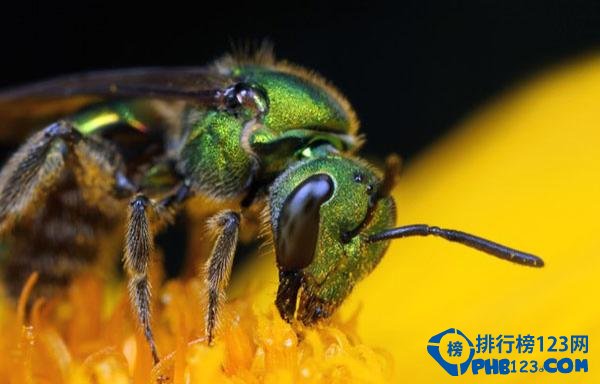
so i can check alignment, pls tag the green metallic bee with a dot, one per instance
(129, 149)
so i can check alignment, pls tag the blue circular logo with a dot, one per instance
(452, 350)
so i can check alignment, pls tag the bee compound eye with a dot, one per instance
(247, 97)
(298, 224)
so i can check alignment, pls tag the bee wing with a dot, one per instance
(28, 107)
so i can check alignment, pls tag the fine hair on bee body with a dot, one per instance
(106, 160)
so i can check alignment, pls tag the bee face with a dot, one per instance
(321, 213)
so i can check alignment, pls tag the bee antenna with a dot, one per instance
(472, 241)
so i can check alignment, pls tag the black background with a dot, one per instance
(411, 69)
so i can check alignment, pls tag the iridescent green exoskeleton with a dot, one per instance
(123, 151)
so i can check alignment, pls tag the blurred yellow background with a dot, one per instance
(525, 172)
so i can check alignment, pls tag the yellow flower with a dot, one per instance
(70, 340)
(524, 171)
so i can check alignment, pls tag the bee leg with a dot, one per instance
(139, 244)
(31, 173)
(226, 225)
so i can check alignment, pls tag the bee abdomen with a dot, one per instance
(64, 236)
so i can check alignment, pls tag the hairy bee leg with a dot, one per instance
(36, 167)
(30, 172)
(218, 266)
(139, 244)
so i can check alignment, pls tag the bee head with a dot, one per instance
(322, 212)
(332, 219)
